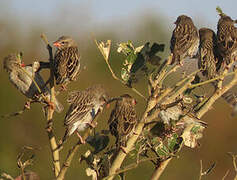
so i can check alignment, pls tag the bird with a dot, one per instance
(185, 39)
(66, 61)
(227, 39)
(21, 76)
(209, 59)
(84, 107)
(123, 120)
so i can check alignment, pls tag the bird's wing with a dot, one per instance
(181, 41)
(73, 63)
(78, 110)
(127, 120)
(67, 64)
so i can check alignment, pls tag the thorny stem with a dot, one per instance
(50, 111)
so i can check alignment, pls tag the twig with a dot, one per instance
(226, 174)
(7, 176)
(215, 96)
(159, 170)
(131, 166)
(14, 113)
(71, 154)
(234, 157)
(50, 111)
(106, 58)
(210, 80)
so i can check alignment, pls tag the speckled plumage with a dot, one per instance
(185, 40)
(66, 60)
(227, 38)
(209, 59)
(123, 119)
(19, 78)
(84, 107)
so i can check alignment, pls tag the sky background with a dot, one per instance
(104, 11)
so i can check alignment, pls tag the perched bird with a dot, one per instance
(227, 39)
(123, 119)
(21, 77)
(231, 99)
(209, 59)
(184, 41)
(66, 60)
(84, 107)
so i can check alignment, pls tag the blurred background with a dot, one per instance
(22, 22)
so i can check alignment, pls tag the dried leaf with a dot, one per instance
(104, 48)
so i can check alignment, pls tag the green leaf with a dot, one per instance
(162, 151)
(124, 74)
(172, 142)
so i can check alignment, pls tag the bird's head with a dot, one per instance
(128, 100)
(206, 34)
(64, 42)
(183, 19)
(13, 62)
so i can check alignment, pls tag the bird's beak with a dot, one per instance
(107, 106)
(23, 65)
(56, 44)
(134, 102)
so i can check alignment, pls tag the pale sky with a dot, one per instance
(106, 11)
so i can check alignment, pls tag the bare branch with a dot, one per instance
(50, 111)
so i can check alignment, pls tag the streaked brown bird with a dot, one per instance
(66, 61)
(209, 59)
(84, 107)
(123, 119)
(227, 39)
(21, 77)
(185, 40)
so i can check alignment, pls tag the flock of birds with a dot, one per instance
(214, 52)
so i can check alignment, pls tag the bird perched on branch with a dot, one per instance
(184, 41)
(22, 76)
(209, 60)
(227, 38)
(84, 107)
(66, 61)
(123, 119)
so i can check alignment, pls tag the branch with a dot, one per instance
(159, 170)
(50, 111)
(215, 96)
(71, 154)
(105, 51)
(157, 173)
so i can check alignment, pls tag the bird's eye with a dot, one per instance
(62, 42)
